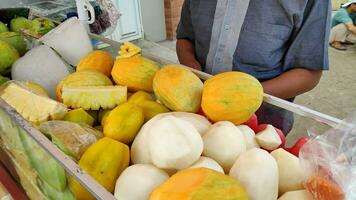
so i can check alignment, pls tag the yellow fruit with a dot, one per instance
(178, 88)
(94, 98)
(33, 107)
(128, 50)
(151, 109)
(98, 60)
(83, 78)
(139, 97)
(79, 116)
(124, 122)
(104, 161)
(36, 88)
(231, 96)
(199, 184)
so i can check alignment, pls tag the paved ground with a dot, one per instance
(335, 95)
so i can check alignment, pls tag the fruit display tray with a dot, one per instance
(12, 122)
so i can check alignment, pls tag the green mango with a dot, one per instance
(16, 40)
(3, 27)
(8, 55)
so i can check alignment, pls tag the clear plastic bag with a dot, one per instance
(106, 17)
(73, 139)
(329, 162)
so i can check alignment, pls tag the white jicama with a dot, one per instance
(249, 135)
(139, 148)
(138, 181)
(224, 142)
(269, 138)
(205, 162)
(201, 123)
(174, 143)
(257, 171)
(290, 171)
(297, 195)
(43, 66)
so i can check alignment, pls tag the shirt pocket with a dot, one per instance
(263, 45)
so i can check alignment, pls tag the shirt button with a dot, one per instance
(227, 27)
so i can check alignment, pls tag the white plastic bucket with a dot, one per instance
(70, 40)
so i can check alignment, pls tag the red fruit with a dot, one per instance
(252, 122)
(262, 127)
(295, 149)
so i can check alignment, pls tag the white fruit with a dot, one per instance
(199, 122)
(174, 143)
(43, 66)
(290, 171)
(205, 162)
(138, 181)
(249, 135)
(224, 143)
(297, 195)
(269, 138)
(257, 171)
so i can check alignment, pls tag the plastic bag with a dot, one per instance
(106, 17)
(329, 163)
(73, 139)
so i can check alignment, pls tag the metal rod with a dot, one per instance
(298, 109)
(70, 166)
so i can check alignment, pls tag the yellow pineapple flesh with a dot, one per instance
(33, 107)
(94, 98)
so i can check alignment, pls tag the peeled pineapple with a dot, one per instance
(127, 50)
(35, 108)
(94, 98)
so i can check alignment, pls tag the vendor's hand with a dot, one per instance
(195, 65)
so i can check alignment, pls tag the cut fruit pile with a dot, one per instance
(176, 154)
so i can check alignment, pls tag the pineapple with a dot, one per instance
(35, 108)
(128, 50)
(94, 98)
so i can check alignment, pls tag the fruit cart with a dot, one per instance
(14, 130)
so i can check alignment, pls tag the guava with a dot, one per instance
(8, 55)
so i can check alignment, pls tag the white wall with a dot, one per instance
(153, 20)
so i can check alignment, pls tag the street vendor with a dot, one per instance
(343, 24)
(284, 44)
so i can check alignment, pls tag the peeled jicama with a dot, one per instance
(224, 143)
(43, 66)
(205, 162)
(290, 171)
(257, 171)
(296, 195)
(138, 181)
(249, 135)
(201, 123)
(174, 143)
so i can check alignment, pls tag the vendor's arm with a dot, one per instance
(307, 55)
(185, 39)
(292, 83)
(186, 54)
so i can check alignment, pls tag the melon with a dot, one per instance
(124, 122)
(94, 98)
(83, 78)
(199, 184)
(133, 70)
(79, 116)
(138, 181)
(16, 40)
(98, 60)
(231, 96)
(8, 55)
(43, 66)
(178, 88)
(33, 107)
